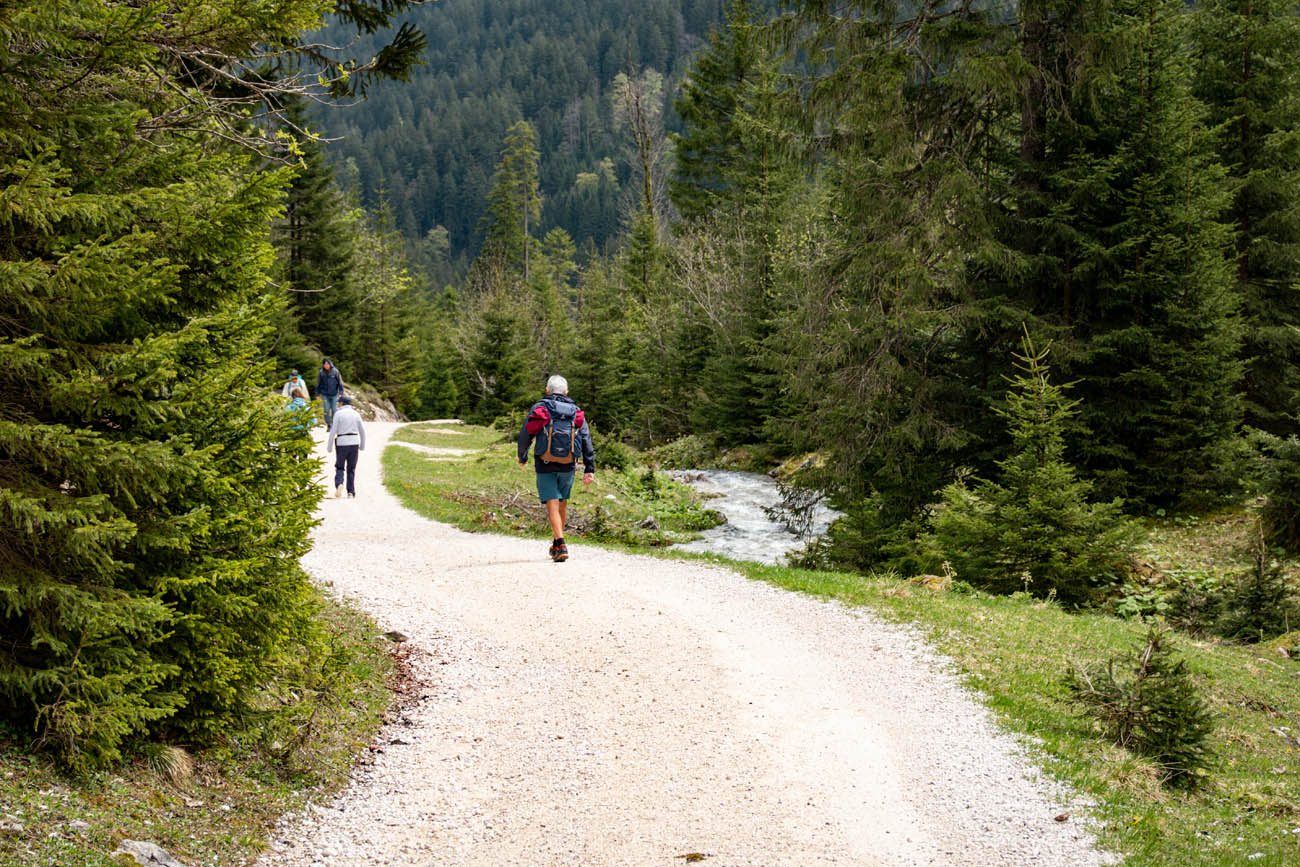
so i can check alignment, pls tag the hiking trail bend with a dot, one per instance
(625, 710)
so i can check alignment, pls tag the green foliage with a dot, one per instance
(153, 501)
(1035, 527)
(498, 362)
(1114, 231)
(614, 456)
(317, 245)
(390, 356)
(1263, 603)
(1152, 706)
(1281, 485)
(1245, 76)
(513, 204)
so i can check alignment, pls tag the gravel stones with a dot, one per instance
(624, 710)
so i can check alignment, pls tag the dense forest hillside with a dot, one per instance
(431, 144)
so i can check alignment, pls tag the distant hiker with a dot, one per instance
(329, 388)
(349, 434)
(294, 381)
(561, 431)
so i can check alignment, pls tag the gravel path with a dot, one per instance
(624, 710)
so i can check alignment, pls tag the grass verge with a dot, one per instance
(1014, 651)
(217, 806)
(469, 477)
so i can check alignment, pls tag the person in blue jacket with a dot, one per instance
(329, 388)
(298, 404)
(561, 432)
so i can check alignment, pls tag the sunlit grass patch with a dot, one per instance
(487, 489)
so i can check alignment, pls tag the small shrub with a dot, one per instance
(1196, 603)
(612, 454)
(1150, 706)
(687, 453)
(509, 423)
(1281, 483)
(1262, 604)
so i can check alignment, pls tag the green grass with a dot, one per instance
(1014, 651)
(215, 807)
(488, 490)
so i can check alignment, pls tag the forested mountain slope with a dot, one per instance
(431, 144)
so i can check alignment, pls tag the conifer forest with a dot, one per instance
(1018, 276)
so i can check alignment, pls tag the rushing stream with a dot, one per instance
(749, 534)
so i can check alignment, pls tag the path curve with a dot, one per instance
(625, 710)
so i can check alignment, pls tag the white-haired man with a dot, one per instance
(561, 433)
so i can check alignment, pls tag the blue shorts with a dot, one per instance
(554, 486)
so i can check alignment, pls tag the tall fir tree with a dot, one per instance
(390, 358)
(1246, 75)
(716, 153)
(316, 239)
(1114, 224)
(868, 344)
(514, 205)
(153, 499)
(731, 183)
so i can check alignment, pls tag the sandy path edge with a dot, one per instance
(626, 710)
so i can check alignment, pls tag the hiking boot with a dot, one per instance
(338, 492)
(559, 552)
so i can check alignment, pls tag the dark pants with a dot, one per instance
(346, 460)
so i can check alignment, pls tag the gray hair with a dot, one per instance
(557, 385)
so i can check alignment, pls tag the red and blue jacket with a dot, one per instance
(549, 407)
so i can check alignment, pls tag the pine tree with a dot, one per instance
(553, 332)
(514, 205)
(605, 352)
(1034, 528)
(868, 341)
(1151, 706)
(153, 499)
(391, 359)
(498, 364)
(1246, 75)
(716, 152)
(1115, 236)
(316, 240)
(732, 183)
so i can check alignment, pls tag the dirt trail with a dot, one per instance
(623, 710)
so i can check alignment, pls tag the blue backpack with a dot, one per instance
(561, 435)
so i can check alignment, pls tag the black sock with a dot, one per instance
(559, 541)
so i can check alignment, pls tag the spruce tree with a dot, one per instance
(513, 205)
(153, 499)
(498, 364)
(716, 152)
(1246, 75)
(732, 183)
(1115, 236)
(390, 358)
(869, 341)
(316, 240)
(1035, 527)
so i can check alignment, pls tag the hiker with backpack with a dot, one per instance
(561, 432)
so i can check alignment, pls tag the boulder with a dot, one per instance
(148, 854)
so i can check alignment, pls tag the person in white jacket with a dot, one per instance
(295, 381)
(347, 438)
